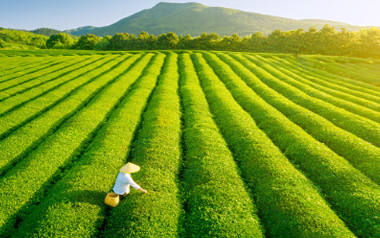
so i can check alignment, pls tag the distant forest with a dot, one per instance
(46, 31)
(9, 37)
(326, 41)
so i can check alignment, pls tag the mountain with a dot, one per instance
(194, 19)
(83, 31)
(45, 31)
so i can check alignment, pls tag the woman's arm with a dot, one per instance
(134, 184)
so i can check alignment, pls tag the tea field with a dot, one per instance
(229, 144)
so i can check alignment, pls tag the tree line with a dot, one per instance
(325, 41)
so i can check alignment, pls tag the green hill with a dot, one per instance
(194, 19)
(19, 39)
(45, 31)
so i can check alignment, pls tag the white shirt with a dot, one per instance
(123, 183)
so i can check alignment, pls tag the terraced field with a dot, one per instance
(230, 144)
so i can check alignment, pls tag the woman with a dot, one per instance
(124, 180)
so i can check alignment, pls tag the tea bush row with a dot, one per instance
(313, 67)
(353, 196)
(289, 205)
(361, 154)
(9, 73)
(217, 201)
(338, 90)
(157, 149)
(299, 83)
(358, 125)
(98, 166)
(356, 73)
(44, 165)
(30, 81)
(16, 101)
(30, 104)
(22, 141)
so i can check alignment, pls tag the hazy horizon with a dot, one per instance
(30, 15)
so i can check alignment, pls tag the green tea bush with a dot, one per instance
(98, 165)
(313, 66)
(157, 150)
(217, 202)
(21, 141)
(33, 80)
(289, 205)
(359, 95)
(339, 101)
(222, 154)
(353, 196)
(46, 162)
(9, 74)
(349, 71)
(23, 107)
(361, 154)
(358, 125)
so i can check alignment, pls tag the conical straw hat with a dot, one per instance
(129, 168)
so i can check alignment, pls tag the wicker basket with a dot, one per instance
(112, 199)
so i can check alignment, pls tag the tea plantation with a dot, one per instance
(229, 144)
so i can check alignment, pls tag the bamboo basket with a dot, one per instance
(112, 199)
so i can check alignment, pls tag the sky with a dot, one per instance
(71, 14)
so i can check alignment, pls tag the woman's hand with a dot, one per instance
(143, 190)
